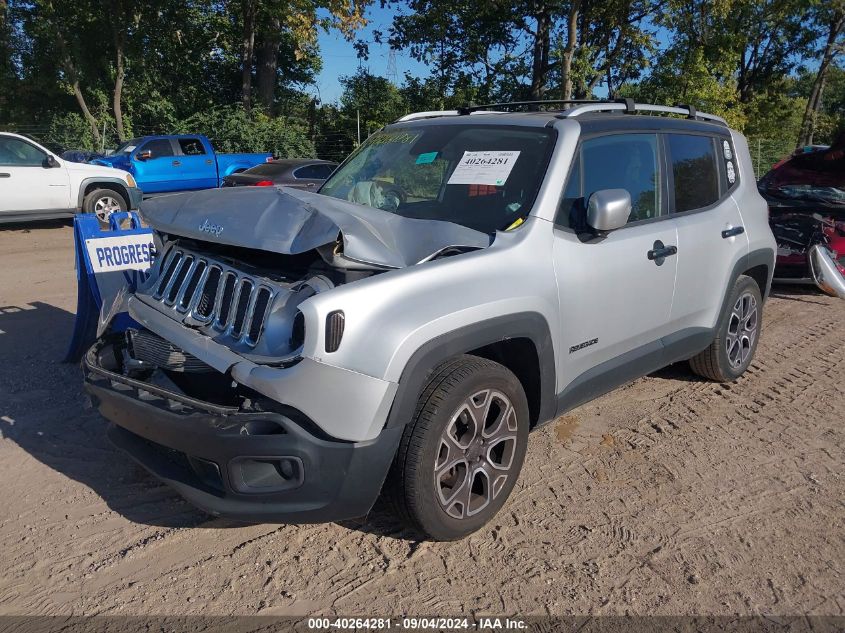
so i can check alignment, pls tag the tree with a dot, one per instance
(68, 24)
(832, 18)
(270, 22)
(524, 48)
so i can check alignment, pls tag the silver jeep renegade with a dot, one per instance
(463, 278)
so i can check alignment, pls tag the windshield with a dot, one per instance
(814, 176)
(127, 146)
(481, 176)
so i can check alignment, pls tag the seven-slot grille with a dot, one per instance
(212, 293)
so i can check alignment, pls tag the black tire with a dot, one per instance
(415, 490)
(93, 203)
(730, 354)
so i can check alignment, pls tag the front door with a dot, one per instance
(160, 170)
(26, 184)
(615, 290)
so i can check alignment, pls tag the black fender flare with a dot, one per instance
(418, 369)
(94, 180)
(757, 257)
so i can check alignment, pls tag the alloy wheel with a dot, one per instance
(476, 453)
(104, 207)
(742, 330)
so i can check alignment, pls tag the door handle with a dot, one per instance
(737, 230)
(5, 175)
(310, 184)
(659, 252)
(176, 163)
(209, 162)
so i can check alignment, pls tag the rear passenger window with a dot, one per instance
(191, 146)
(618, 161)
(695, 171)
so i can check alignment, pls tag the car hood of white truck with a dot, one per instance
(290, 221)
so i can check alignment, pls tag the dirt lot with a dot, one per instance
(669, 496)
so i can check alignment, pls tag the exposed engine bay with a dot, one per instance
(235, 264)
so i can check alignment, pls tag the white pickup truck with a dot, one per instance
(35, 184)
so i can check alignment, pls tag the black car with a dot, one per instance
(291, 172)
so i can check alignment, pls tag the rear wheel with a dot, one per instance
(460, 457)
(103, 203)
(730, 354)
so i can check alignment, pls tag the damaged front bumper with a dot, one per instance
(249, 465)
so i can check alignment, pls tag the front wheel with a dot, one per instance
(461, 455)
(103, 203)
(730, 354)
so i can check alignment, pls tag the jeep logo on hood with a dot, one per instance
(210, 227)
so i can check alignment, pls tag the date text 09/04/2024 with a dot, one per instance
(412, 623)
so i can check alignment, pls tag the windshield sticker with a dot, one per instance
(129, 149)
(385, 138)
(727, 150)
(731, 172)
(425, 159)
(483, 168)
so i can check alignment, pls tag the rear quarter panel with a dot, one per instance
(752, 206)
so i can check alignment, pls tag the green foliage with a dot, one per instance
(752, 61)
(231, 129)
(69, 129)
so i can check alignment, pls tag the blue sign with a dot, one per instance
(108, 262)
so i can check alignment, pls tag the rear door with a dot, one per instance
(197, 167)
(159, 172)
(615, 298)
(26, 184)
(711, 237)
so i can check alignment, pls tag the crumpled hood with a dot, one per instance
(119, 161)
(290, 221)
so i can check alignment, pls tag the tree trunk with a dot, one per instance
(117, 21)
(73, 77)
(814, 103)
(569, 50)
(247, 52)
(540, 63)
(267, 64)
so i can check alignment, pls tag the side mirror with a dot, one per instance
(608, 209)
(50, 162)
(825, 272)
(145, 155)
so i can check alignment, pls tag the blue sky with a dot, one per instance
(339, 56)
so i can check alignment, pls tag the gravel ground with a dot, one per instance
(670, 496)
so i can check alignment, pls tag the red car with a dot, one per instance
(806, 196)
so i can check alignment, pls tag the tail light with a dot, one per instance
(264, 183)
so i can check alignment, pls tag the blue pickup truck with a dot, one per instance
(177, 162)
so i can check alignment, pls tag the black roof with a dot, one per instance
(619, 121)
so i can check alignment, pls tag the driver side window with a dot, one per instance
(614, 161)
(159, 148)
(17, 153)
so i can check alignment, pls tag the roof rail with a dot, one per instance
(469, 109)
(580, 106)
(427, 114)
(435, 113)
(628, 106)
